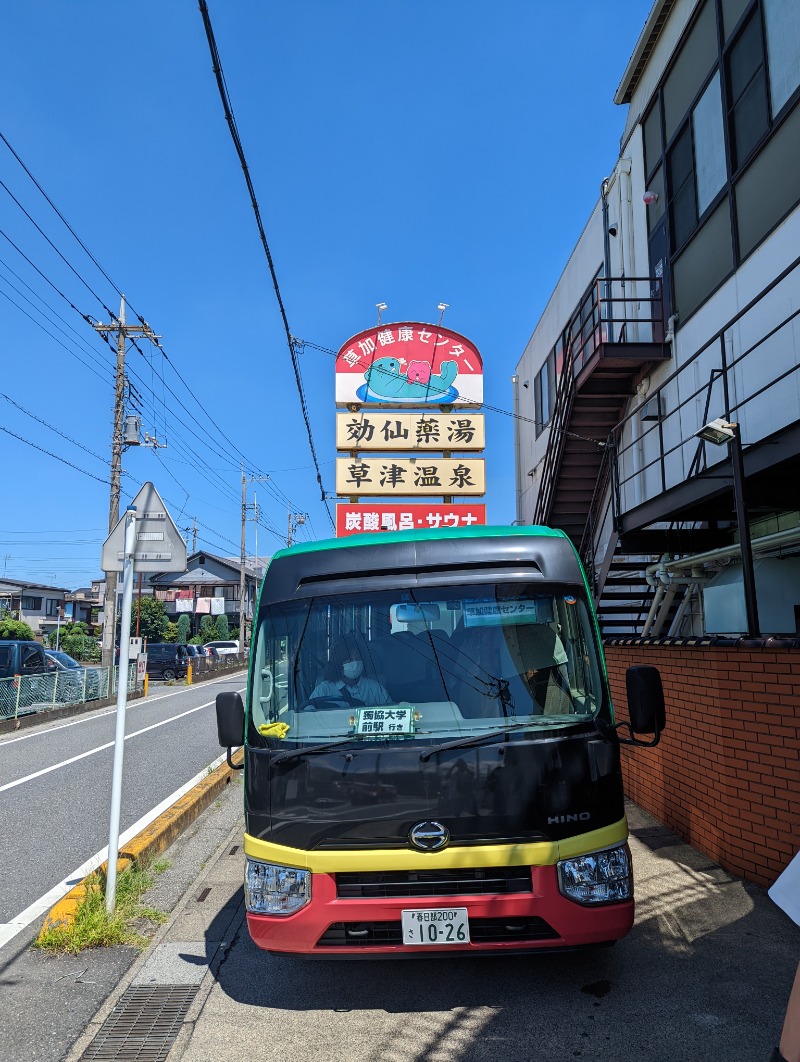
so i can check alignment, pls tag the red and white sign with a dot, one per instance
(354, 519)
(409, 364)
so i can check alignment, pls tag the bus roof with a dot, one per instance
(420, 558)
(392, 538)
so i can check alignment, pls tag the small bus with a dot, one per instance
(431, 763)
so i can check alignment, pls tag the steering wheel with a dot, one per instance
(329, 703)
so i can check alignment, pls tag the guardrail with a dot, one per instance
(26, 694)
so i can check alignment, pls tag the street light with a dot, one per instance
(719, 432)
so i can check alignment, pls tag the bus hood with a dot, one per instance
(371, 797)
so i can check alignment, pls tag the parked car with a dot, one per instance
(22, 658)
(167, 660)
(74, 680)
(196, 652)
(224, 648)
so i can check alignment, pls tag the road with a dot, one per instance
(55, 785)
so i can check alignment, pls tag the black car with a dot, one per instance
(75, 682)
(167, 660)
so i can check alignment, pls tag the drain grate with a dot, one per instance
(143, 1026)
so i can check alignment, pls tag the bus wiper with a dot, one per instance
(474, 739)
(290, 754)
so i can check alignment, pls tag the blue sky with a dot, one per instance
(402, 151)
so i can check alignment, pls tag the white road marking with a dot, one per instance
(8, 930)
(101, 748)
(90, 717)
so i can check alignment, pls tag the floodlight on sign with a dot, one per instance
(718, 431)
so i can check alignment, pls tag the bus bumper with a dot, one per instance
(542, 919)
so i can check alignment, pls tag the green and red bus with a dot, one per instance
(431, 763)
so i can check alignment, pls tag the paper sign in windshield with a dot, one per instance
(494, 613)
(385, 722)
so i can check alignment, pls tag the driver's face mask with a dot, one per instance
(352, 670)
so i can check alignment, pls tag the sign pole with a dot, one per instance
(122, 700)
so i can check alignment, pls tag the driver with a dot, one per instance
(344, 680)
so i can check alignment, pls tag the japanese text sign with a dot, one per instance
(385, 722)
(410, 431)
(409, 364)
(354, 519)
(410, 476)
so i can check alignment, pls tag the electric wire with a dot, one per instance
(58, 431)
(229, 116)
(55, 338)
(49, 453)
(89, 320)
(60, 255)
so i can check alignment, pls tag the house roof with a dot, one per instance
(18, 584)
(656, 20)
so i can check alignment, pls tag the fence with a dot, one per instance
(25, 694)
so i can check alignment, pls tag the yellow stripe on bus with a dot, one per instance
(533, 853)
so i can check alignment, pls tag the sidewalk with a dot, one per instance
(705, 974)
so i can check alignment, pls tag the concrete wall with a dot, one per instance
(725, 775)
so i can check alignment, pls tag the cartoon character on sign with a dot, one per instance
(386, 380)
(418, 372)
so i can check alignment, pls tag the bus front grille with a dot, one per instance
(481, 931)
(465, 881)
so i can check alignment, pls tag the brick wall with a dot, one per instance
(726, 775)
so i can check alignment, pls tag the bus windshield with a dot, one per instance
(416, 664)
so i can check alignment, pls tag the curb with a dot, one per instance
(151, 842)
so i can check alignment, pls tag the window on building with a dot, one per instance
(691, 68)
(782, 25)
(709, 145)
(53, 606)
(544, 393)
(748, 111)
(722, 128)
(33, 604)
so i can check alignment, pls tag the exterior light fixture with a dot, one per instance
(721, 432)
(650, 197)
(718, 432)
(380, 307)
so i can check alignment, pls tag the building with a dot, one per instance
(211, 586)
(680, 305)
(40, 606)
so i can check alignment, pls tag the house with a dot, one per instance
(211, 585)
(40, 606)
(677, 308)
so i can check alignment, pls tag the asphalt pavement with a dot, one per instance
(705, 974)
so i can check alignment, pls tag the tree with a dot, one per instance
(171, 632)
(15, 630)
(208, 629)
(223, 631)
(152, 619)
(184, 626)
(77, 640)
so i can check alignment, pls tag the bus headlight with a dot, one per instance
(275, 890)
(599, 877)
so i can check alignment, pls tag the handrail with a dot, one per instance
(592, 324)
(719, 373)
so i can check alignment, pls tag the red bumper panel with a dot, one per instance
(542, 918)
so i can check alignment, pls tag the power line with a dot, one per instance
(60, 255)
(229, 116)
(58, 431)
(49, 453)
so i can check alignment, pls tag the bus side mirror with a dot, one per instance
(230, 719)
(646, 701)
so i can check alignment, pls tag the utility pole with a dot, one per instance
(295, 519)
(123, 330)
(242, 583)
(242, 579)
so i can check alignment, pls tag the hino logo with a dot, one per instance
(580, 816)
(429, 836)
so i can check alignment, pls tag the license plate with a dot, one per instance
(435, 926)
